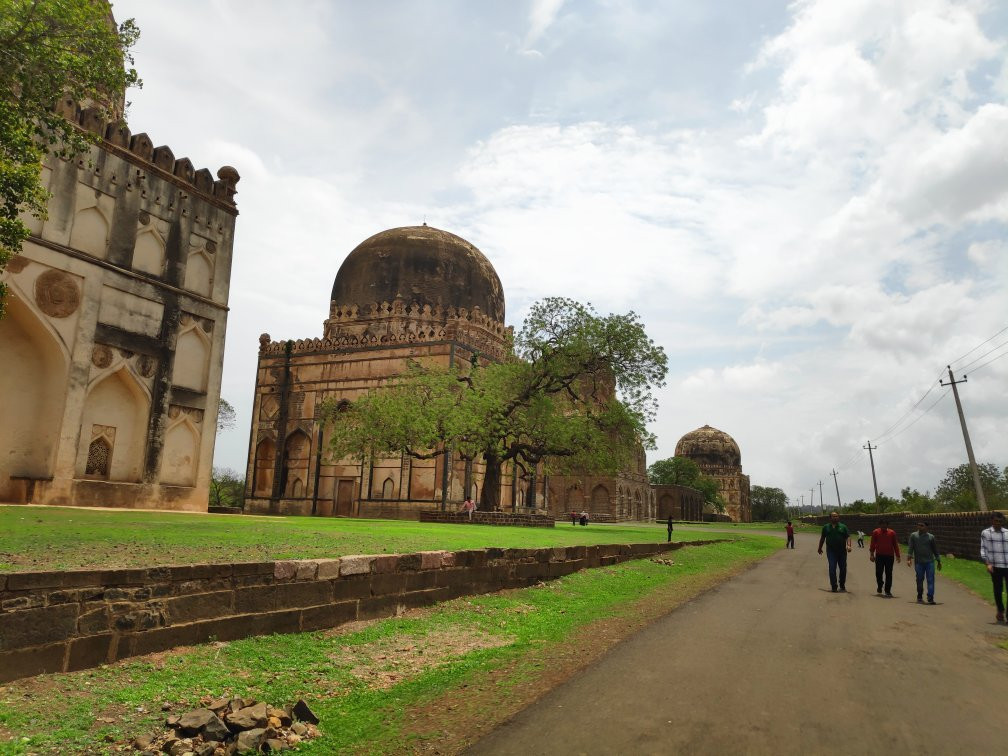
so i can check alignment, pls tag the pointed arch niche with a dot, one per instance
(91, 224)
(192, 358)
(149, 252)
(199, 274)
(600, 499)
(297, 451)
(33, 387)
(117, 405)
(265, 458)
(180, 457)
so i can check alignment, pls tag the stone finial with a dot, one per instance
(229, 178)
(264, 341)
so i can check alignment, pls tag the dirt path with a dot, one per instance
(773, 662)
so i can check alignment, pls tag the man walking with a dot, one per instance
(670, 528)
(860, 538)
(994, 553)
(789, 529)
(837, 539)
(923, 549)
(883, 549)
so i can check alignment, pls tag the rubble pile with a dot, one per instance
(226, 726)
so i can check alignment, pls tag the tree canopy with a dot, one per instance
(956, 492)
(226, 415)
(682, 471)
(575, 394)
(49, 50)
(768, 504)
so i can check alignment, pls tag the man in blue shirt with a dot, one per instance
(837, 539)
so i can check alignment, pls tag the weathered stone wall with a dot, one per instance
(64, 621)
(488, 518)
(957, 533)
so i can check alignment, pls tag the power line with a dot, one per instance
(999, 346)
(906, 414)
(978, 346)
(995, 359)
(931, 407)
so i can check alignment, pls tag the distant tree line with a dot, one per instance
(955, 493)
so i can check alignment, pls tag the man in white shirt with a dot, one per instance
(994, 553)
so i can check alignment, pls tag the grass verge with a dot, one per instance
(971, 574)
(59, 538)
(432, 678)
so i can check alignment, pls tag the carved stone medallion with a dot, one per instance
(145, 365)
(101, 356)
(57, 294)
(17, 263)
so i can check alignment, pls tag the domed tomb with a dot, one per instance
(420, 264)
(710, 448)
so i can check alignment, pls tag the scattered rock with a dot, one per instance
(299, 728)
(271, 745)
(249, 740)
(194, 722)
(143, 742)
(302, 713)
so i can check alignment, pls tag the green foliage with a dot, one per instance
(575, 395)
(768, 504)
(49, 50)
(227, 488)
(681, 471)
(912, 500)
(956, 492)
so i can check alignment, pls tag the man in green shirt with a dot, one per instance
(922, 553)
(837, 539)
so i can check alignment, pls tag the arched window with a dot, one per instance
(388, 488)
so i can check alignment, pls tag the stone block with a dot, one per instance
(328, 569)
(304, 594)
(201, 572)
(386, 563)
(471, 558)
(94, 618)
(31, 661)
(420, 581)
(353, 587)
(331, 615)
(409, 562)
(244, 569)
(198, 606)
(378, 607)
(36, 627)
(31, 581)
(285, 570)
(531, 571)
(285, 621)
(389, 584)
(458, 577)
(260, 598)
(151, 641)
(431, 560)
(356, 564)
(229, 628)
(29, 601)
(447, 558)
(111, 578)
(559, 569)
(428, 597)
(306, 570)
(90, 651)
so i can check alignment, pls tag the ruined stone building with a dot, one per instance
(718, 456)
(414, 293)
(113, 342)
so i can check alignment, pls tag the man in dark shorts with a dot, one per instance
(837, 539)
(789, 529)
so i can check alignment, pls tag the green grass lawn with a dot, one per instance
(435, 677)
(971, 574)
(53, 538)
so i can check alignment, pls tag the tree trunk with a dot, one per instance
(490, 493)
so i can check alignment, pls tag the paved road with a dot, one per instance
(772, 662)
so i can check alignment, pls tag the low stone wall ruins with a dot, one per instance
(65, 621)
(488, 518)
(957, 533)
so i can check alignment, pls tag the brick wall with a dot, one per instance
(957, 533)
(488, 518)
(65, 621)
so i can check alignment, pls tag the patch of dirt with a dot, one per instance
(384, 663)
(462, 716)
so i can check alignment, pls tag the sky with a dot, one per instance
(806, 203)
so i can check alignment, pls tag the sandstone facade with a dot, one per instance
(718, 456)
(114, 338)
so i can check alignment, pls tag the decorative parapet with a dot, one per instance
(389, 323)
(139, 149)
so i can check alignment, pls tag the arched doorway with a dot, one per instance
(265, 459)
(297, 451)
(33, 385)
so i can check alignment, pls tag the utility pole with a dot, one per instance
(969, 447)
(839, 505)
(821, 505)
(811, 499)
(869, 447)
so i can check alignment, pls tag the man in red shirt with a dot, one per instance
(789, 529)
(884, 547)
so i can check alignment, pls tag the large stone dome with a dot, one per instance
(420, 264)
(710, 448)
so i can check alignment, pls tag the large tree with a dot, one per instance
(50, 49)
(768, 504)
(575, 394)
(682, 471)
(956, 492)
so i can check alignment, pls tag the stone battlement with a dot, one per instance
(140, 150)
